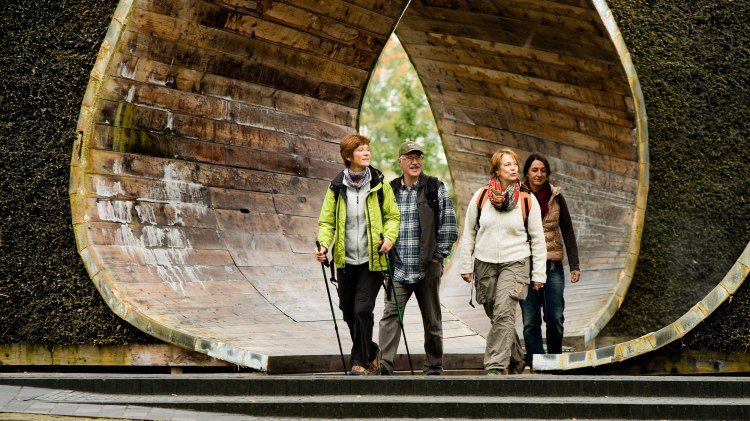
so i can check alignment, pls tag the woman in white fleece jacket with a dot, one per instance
(498, 249)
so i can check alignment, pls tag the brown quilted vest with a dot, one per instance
(551, 224)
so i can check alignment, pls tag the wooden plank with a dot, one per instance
(147, 167)
(521, 21)
(442, 85)
(235, 67)
(174, 76)
(579, 11)
(427, 68)
(172, 145)
(283, 24)
(151, 213)
(237, 120)
(164, 29)
(570, 137)
(484, 141)
(541, 116)
(168, 190)
(478, 151)
(519, 53)
(160, 274)
(156, 355)
(377, 16)
(118, 234)
(252, 241)
(529, 68)
(255, 222)
(165, 257)
(516, 33)
(390, 8)
(216, 121)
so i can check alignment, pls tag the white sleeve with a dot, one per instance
(538, 244)
(469, 236)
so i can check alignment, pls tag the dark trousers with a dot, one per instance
(358, 289)
(427, 292)
(549, 299)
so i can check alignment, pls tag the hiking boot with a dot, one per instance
(433, 371)
(358, 370)
(373, 370)
(516, 367)
(376, 361)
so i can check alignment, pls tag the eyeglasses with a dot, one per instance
(417, 158)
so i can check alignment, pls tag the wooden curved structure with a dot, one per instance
(209, 132)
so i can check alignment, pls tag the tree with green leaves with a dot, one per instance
(395, 110)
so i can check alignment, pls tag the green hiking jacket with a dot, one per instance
(335, 205)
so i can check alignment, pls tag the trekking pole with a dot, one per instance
(398, 308)
(330, 302)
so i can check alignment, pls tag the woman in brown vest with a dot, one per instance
(558, 230)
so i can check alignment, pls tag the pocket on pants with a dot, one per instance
(521, 282)
(483, 290)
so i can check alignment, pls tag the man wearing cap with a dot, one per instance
(427, 232)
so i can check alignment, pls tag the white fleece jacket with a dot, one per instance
(501, 238)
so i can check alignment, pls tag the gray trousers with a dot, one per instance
(427, 292)
(500, 287)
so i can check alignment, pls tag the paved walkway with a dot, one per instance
(29, 404)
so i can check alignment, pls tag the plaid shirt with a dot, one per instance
(406, 269)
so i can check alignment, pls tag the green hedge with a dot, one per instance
(46, 296)
(692, 59)
(693, 63)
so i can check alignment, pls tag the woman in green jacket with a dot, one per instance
(359, 207)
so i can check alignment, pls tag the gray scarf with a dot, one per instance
(357, 179)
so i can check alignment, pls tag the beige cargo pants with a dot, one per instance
(500, 287)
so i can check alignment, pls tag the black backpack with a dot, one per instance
(433, 185)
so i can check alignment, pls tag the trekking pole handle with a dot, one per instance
(317, 244)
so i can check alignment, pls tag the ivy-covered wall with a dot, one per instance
(47, 50)
(693, 61)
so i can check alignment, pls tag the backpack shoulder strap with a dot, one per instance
(395, 184)
(481, 200)
(433, 185)
(525, 208)
(381, 179)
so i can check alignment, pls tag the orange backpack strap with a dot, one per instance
(483, 197)
(481, 200)
(525, 205)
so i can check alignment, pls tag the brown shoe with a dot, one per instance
(516, 367)
(376, 361)
(373, 370)
(358, 370)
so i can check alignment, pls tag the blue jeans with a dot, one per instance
(550, 299)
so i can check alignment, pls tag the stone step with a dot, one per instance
(419, 385)
(331, 396)
(421, 406)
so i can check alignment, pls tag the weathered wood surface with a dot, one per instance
(210, 130)
(158, 355)
(538, 76)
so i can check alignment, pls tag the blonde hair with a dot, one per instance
(497, 158)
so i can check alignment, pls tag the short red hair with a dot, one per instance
(349, 144)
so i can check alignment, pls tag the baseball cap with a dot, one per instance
(407, 147)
